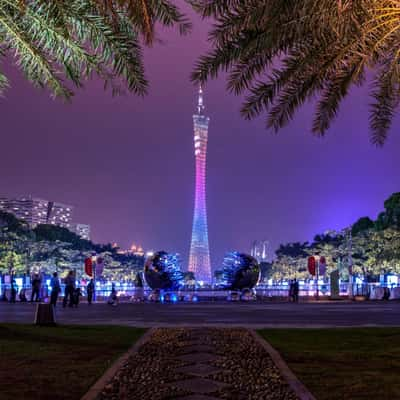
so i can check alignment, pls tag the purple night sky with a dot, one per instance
(127, 164)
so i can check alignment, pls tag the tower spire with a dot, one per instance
(200, 104)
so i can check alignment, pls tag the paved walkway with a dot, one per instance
(199, 364)
(220, 314)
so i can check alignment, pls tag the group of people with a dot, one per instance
(294, 291)
(14, 292)
(71, 292)
(36, 293)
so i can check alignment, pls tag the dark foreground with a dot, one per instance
(61, 363)
(346, 364)
(256, 315)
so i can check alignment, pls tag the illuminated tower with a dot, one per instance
(199, 259)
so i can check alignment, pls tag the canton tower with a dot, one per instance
(199, 259)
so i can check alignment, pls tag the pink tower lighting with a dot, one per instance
(199, 259)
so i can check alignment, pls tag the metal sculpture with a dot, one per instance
(162, 271)
(240, 271)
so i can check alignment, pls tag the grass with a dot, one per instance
(342, 364)
(57, 362)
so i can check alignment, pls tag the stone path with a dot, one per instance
(199, 364)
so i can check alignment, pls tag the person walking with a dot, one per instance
(69, 289)
(14, 290)
(55, 289)
(296, 290)
(22, 295)
(36, 283)
(90, 291)
(291, 291)
(113, 299)
(386, 293)
(76, 295)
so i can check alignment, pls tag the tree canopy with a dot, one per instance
(283, 53)
(375, 247)
(60, 43)
(10, 223)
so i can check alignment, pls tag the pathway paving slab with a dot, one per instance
(199, 385)
(198, 397)
(197, 357)
(201, 348)
(201, 370)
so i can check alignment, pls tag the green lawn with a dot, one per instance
(336, 364)
(57, 362)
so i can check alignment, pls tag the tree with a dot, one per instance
(296, 249)
(11, 262)
(60, 43)
(363, 224)
(10, 223)
(392, 210)
(291, 260)
(188, 277)
(53, 233)
(286, 52)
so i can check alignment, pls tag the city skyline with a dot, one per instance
(126, 163)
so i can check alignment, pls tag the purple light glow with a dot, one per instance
(199, 259)
(125, 163)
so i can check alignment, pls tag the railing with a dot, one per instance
(371, 291)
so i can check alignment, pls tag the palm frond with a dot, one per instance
(62, 42)
(386, 95)
(282, 53)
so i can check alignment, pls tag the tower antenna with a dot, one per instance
(200, 104)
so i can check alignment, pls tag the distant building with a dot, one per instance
(59, 214)
(37, 211)
(81, 230)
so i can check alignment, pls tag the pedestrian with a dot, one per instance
(75, 297)
(296, 290)
(113, 300)
(55, 289)
(291, 288)
(13, 295)
(386, 293)
(90, 291)
(36, 283)
(69, 289)
(22, 295)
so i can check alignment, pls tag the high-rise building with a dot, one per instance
(199, 259)
(37, 211)
(59, 214)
